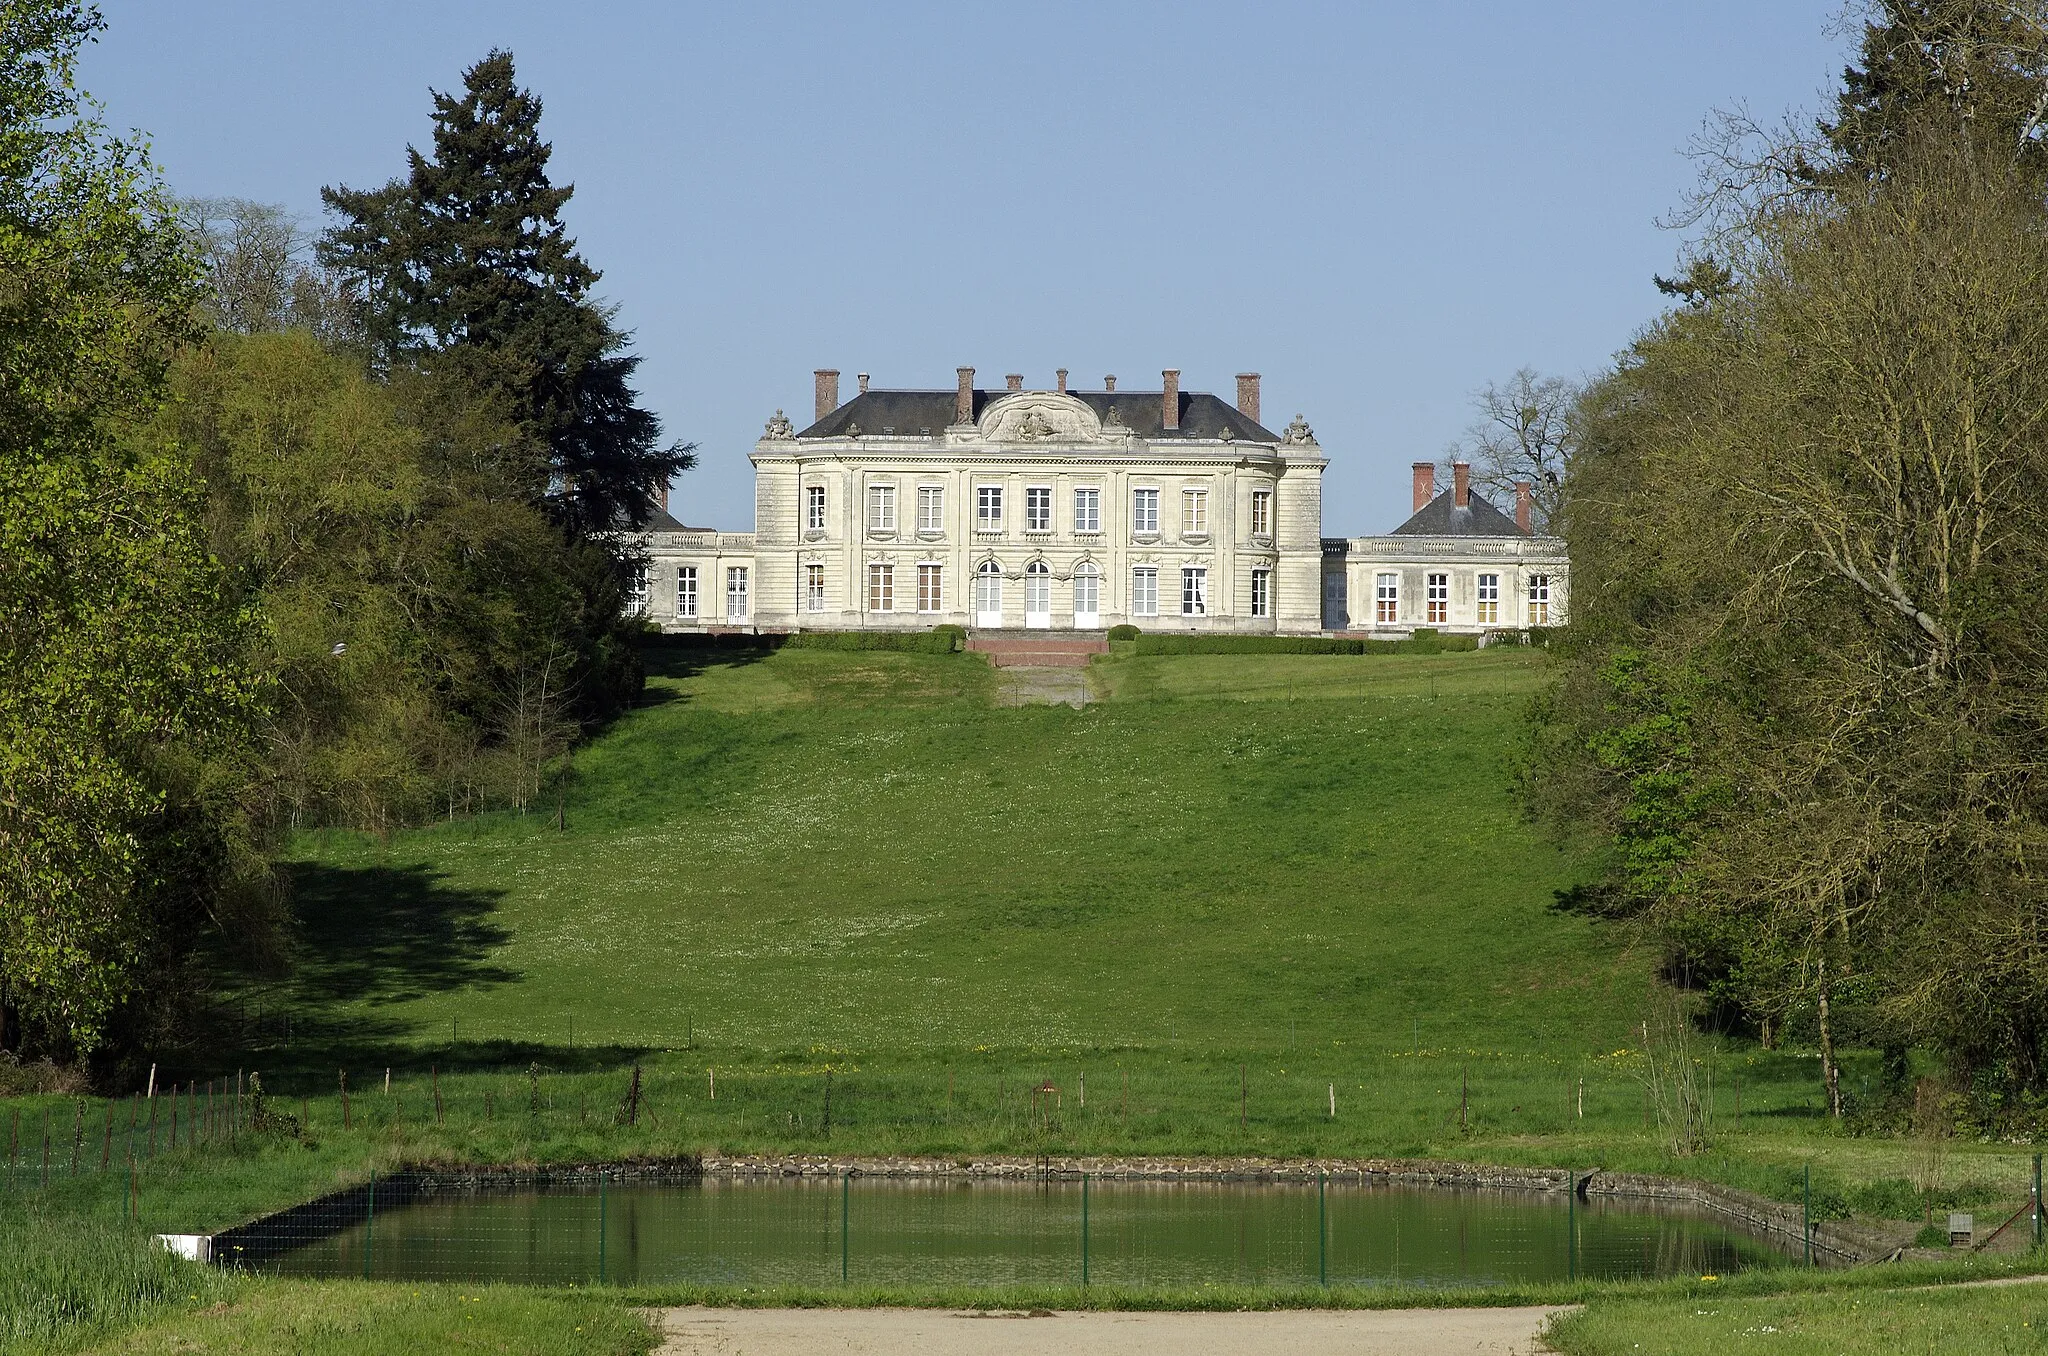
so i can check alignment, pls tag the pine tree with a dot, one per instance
(465, 266)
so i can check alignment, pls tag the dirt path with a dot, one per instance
(1021, 686)
(940, 1332)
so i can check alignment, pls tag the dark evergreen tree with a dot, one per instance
(466, 267)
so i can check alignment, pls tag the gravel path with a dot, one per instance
(939, 1332)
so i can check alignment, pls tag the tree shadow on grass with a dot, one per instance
(390, 934)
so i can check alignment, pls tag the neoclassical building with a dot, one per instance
(1077, 510)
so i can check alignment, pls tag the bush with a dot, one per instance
(954, 636)
(1431, 643)
(1123, 631)
(939, 640)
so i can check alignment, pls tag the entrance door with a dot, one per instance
(1335, 617)
(988, 595)
(1038, 595)
(1087, 597)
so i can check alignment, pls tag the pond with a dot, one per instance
(938, 1233)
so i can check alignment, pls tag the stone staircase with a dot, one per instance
(1038, 649)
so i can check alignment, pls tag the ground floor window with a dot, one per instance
(1087, 590)
(1144, 592)
(1539, 600)
(1262, 593)
(881, 588)
(988, 594)
(1386, 598)
(1489, 599)
(1194, 592)
(1437, 592)
(686, 591)
(636, 590)
(930, 591)
(814, 588)
(735, 593)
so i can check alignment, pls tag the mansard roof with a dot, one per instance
(910, 413)
(1441, 517)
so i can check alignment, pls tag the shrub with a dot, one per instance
(1123, 631)
(1431, 643)
(954, 636)
(939, 640)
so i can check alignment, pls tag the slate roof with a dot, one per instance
(661, 521)
(1441, 518)
(911, 413)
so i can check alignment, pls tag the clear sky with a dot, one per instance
(1379, 206)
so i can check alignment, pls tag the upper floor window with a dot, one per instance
(814, 508)
(1194, 592)
(1539, 600)
(736, 593)
(1088, 509)
(1437, 592)
(1145, 592)
(931, 508)
(1038, 508)
(1386, 598)
(814, 588)
(881, 588)
(1194, 512)
(686, 591)
(1145, 512)
(1262, 593)
(1489, 599)
(988, 507)
(881, 508)
(1262, 513)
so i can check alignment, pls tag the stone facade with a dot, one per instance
(1065, 510)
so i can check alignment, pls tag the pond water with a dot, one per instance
(943, 1233)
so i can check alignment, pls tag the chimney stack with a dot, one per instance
(963, 399)
(1014, 381)
(1109, 382)
(1169, 401)
(1525, 508)
(827, 387)
(662, 495)
(1461, 484)
(862, 378)
(1063, 380)
(1425, 484)
(1248, 395)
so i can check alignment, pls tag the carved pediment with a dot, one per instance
(1045, 417)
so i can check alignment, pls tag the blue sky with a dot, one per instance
(1378, 206)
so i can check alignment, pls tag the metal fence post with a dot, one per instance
(369, 1224)
(1571, 1225)
(601, 1219)
(2037, 1200)
(845, 1233)
(1084, 1228)
(1323, 1227)
(1806, 1210)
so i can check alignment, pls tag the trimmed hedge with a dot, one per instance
(1123, 631)
(1430, 644)
(938, 640)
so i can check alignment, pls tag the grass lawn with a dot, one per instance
(2001, 1320)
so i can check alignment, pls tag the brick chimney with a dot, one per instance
(1425, 484)
(1063, 380)
(1248, 395)
(1169, 401)
(662, 496)
(1461, 484)
(1525, 507)
(862, 378)
(827, 388)
(1109, 382)
(1014, 381)
(963, 398)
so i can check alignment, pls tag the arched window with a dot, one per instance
(988, 594)
(1038, 594)
(1087, 595)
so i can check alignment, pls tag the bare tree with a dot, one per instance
(261, 272)
(1526, 430)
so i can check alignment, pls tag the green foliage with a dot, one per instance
(1123, 631)
(67, 1275)
(1422, 642)
(938, 640)
(465, 265)
(123, 707)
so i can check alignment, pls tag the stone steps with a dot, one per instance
(1038, 649)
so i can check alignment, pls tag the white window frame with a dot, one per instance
(1145, 591)
(1262, 592)
(814, 588)
(881, 508)
(1087, 508)
(1194, 591)
(881, 586)
(1539, 600)
(931, 586)
(1038, 508)
(814, 508)
(686, 591)
(639, 588)
(1436, 597)
(1088, 589)
(736, 602)
(988, 508)
(1262, 513)
(1386, 597)
(1194, 513)
(1145, 511)
(1487, 589)
(931, 508)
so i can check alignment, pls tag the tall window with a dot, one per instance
(1386, 598)
(1038, 508)
(1539, 600)
(1145, 512)
(1262, 593)
(814, 588)
(1262, 513)
(931, 508)
(1087, 593)
(735, 593)
(686, 591)
(1194, 592)
(637, 590)
(1489, 599)
(1088, 509)
(1437, 593)
(988, 508)
(881, 508)
(1145, 591)
(1194, 512)
(881, 588)
(814, 508)
(931, 595)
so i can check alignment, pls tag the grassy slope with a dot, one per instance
(1984, 1321)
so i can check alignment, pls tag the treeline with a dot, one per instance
(292, 532)
(1804, 700)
